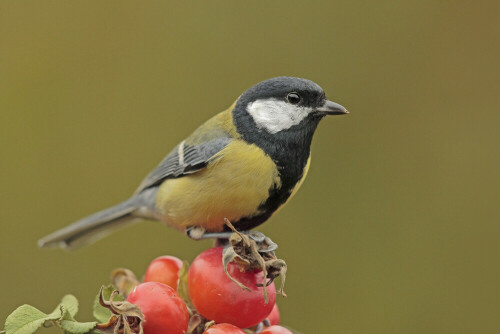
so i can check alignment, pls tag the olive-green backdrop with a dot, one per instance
(396, 228)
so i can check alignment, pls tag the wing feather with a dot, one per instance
(182, 160)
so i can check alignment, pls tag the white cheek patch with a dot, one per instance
(274, 115)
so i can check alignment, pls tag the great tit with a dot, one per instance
(243, 164)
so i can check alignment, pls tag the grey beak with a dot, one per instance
(332, 108)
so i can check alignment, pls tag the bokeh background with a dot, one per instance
(396, 228)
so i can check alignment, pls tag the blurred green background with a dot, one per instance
(394, 231)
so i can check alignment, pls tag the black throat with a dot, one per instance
(289, 149)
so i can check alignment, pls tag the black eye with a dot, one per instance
(293, 98)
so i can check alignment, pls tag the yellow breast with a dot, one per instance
(233, 185)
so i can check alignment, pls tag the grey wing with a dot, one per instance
(184, 159)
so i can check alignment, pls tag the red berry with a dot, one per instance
(223, 329)
(218, 298)
(164, 269)
(164, 311)
(274, 316)
(276, 330)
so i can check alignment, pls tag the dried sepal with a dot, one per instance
(126, 319)
(254, 250)
(275, 268)
(198, 324)
(124, 280)
(229, 255)
(209, 324)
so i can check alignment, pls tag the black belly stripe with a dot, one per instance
(277, 197)
(290, 150)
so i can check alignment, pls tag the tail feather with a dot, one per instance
(92, 228)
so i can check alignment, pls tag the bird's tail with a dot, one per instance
(92, 228)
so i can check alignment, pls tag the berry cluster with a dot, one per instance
(221, 304)
(225, 290)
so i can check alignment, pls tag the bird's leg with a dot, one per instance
(221, 239)
(216, 235)
(199, 233)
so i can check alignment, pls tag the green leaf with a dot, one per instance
(76, 327)
(26, 320)
(101, 313)
(70, 325)
(70, 303)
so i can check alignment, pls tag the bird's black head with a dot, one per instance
(280, 115)
(283, 104)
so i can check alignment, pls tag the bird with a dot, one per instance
(242, 165)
